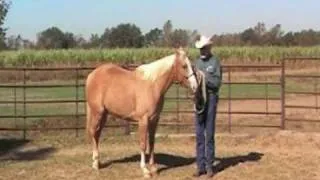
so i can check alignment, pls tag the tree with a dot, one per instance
(154, 37)
(51, 38)
(105, 38)
(249, 37)
(14, 42)
(54, 38)
(288, 39)
(192, 37)
(4, 8)
(69, 41)
(179, 37)
(273, 36)
(260, 31)
(94, 41)
(27, 44)
(80, 41)
(307, 38)
(167, 31)
(125, 36)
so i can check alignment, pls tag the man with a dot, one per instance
(205, 121)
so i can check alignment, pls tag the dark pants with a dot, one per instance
(205, 130)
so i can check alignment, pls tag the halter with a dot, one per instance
(190, 75)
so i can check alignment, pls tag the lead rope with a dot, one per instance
(203, 95)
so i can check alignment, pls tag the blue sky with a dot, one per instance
(83, 17)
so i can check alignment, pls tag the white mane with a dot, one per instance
(157, 68)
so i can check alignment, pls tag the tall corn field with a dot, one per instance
(228, 55)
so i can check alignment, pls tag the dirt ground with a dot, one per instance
(265, 156)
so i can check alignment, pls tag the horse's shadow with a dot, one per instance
(168, 160)
(173, 161)
(7, 145)
(14, 149)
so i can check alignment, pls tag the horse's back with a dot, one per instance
(111, 85)
(106, 71)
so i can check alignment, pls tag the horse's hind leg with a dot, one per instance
(97, 123)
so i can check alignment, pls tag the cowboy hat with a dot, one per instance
(203, 41)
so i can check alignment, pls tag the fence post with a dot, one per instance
(267, 96)
(77, 102)
(229, 100)
(24, 104)
(178, 109)
(15, 101)
(282, 89)
(126, 127)
(316, 91)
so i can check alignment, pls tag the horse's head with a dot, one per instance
(184, 72)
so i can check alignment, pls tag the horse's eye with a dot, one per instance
(185, 66)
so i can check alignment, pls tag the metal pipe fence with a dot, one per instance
(303, 77)
(77, 85)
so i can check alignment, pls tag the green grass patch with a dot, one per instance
(69, 93)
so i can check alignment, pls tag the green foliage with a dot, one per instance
(54, 38)
(236, 55)
(261, 36)
(4, 8)
(129, 35)
(167, 30)
(179, 37)
(154, 37)
(126, 35)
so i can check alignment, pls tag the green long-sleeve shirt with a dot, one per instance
(213, 73)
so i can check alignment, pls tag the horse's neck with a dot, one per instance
(159, 73)
(163, 83)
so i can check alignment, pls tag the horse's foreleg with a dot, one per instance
(152, 132)
(98, 122)
(143, 125)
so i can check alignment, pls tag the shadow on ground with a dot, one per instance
(227, 162)
(173, 161)
(168, 160)
(7, 145)
(14, 149)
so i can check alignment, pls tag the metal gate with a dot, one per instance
(305, 95)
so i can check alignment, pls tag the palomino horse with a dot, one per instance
(136, 95)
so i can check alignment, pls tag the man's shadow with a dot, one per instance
(173, 161)
(227, 162)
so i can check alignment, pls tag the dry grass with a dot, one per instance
(279, 155)
(268, 154)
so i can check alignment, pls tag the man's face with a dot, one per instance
(205, 51)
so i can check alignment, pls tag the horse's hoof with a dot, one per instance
(147, 175)
(146, 172)
(95, 165)
(154, 170)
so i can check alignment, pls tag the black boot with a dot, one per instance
(198, 173)
(210, 173)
